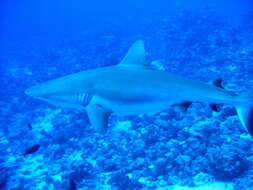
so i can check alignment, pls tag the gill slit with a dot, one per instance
(83, 98)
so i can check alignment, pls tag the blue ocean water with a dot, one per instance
(48, 147)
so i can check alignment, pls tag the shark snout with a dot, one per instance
(32, 92)
(29, 92)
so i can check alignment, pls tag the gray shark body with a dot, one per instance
(131, 88)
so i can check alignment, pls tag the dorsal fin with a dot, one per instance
(135, 55)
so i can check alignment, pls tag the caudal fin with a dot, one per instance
(246, 117)
(245, 111)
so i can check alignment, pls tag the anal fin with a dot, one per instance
(98, 117)
(218, 84)
(215, 107)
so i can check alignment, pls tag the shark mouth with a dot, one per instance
(79, 100)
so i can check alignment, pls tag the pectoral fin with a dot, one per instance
(98, 117)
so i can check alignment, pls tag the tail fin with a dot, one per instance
(245, 111)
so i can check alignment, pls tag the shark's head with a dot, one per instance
(37, 91)
(65, 92)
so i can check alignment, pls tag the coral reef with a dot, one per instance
(198, 150)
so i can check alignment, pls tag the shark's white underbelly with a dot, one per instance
(125, 108)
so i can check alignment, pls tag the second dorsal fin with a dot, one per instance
(135, 56)
(218, 83)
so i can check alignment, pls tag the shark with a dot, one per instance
(131, 88)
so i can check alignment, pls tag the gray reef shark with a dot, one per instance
(131, 88)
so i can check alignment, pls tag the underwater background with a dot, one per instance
(47, 147)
